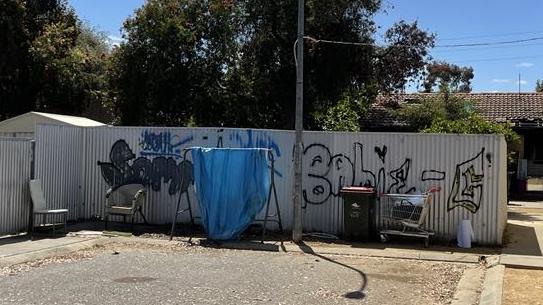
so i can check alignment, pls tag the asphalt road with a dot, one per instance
(211, 276)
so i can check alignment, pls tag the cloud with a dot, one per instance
(115, 40)
(522, 82)
(501, 81)
(524, 65)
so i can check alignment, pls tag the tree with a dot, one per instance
(473, 124)
(441, 75)
(448, 112)
(172, 67)
(330, 69)
(50, 62)
(235, 66)
(539, 86)
(71, 61)
(445, 105)
(344, 115)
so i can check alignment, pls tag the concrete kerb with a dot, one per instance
(286, 247)
(290, 247)
(468, 288)
(44, 253)
(384, 253)
(522, 261)
(493, 286)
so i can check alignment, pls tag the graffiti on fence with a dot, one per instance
(321, 163)
(327, 172)
(432, 175)
(467, 186)
(248, 139)
(400, 176)
(162, 143)
(124, 168)
(381, 152)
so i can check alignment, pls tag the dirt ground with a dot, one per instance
(523, 286)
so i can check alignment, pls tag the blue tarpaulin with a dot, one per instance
(232, 186)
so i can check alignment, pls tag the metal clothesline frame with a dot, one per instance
(267, 216)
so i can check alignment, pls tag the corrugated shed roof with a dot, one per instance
(72, 120)
(66, 119)
(517, 108)
(26, 123)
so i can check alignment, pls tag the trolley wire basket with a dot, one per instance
(405, 215)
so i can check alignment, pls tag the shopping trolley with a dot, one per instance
(405, 215)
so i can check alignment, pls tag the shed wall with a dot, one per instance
(15, 170)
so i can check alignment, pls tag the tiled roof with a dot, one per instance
(517, 108)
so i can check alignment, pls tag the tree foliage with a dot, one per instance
(421, 113)
(539, 86)
(345, 114)
(445, 76)
(474, 124)
(49, 61)
(172, 67)
(231, 63)
(208, 62)
(448, 112)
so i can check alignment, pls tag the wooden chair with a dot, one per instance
(39, 207)
(126, 200)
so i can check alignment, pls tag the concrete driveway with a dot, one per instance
(116, 274)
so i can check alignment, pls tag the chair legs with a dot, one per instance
(32, 227)
(53, 223)
(142, 216)
(132, 219)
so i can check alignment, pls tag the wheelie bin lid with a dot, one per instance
(357, 190)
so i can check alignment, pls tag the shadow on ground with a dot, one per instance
(524, 215)
(357, 294)
(521, 240)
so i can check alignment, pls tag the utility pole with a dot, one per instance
(298, 146)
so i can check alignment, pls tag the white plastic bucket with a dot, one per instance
(464, 234)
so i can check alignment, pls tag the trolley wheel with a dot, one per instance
(384, 238)
(426, 242)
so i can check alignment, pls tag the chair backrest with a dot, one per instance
(125, 194)
(36, 193)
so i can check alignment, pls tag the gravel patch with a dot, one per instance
(135, 272)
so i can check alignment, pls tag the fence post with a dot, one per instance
(32, 176)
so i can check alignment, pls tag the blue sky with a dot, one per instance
(454, 22)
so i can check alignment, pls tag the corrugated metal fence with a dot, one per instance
(15, 170)
(59, 161)
(470, 169)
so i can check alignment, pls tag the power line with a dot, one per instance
(488, 47)
(365, 44)
(349, 43)
(488, 36)
(489, 43)
(368, 44)
(499, 59)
